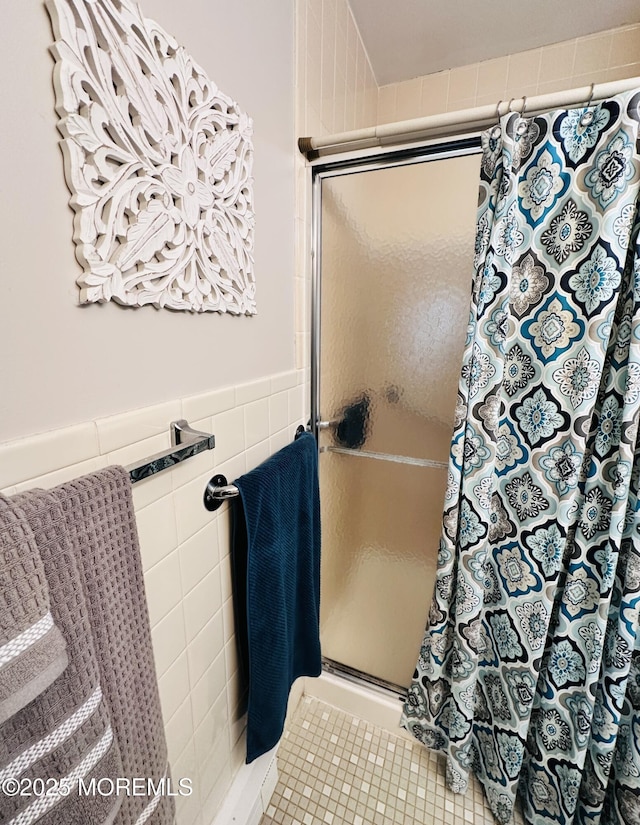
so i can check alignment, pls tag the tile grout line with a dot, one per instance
(336, 769)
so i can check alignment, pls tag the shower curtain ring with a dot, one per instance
(522, 126)
(510, 102)
(496, 131)
(587, 116)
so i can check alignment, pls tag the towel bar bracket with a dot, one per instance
(183, 433)
(218, 491)
(185, 443)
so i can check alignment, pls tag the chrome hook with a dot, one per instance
(496, 131)
(588, 116)
(522, 126)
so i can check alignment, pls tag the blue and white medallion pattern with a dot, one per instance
(529, 671)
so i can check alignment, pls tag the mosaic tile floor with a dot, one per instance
(335, 769)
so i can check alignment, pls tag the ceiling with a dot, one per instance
(409, 38)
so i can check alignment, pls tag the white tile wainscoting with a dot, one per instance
(185, 554)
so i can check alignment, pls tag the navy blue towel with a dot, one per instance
(276, 566)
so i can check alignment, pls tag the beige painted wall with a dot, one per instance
(83, 387)
(63, 363)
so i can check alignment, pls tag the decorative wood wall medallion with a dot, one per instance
(158, 162)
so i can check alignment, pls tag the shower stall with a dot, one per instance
(393, 260)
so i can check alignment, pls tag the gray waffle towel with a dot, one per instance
(32, 649)
(65, 732)
(96, 515)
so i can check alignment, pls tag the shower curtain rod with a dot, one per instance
(459, 122)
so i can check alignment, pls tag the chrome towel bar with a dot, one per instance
(218, 490)
(185, 442)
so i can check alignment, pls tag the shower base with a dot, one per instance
(336, 768)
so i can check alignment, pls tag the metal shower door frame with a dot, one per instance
(320, 171)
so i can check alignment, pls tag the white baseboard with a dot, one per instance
(254, 784)
(249, 795)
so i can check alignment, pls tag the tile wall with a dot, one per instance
(336, 87)
(185, 554)
(608, 55)
(336, 91)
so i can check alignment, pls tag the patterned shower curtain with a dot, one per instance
(529, 672)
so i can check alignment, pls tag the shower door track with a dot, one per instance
(362, 679)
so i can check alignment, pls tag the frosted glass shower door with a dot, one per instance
(397, 257)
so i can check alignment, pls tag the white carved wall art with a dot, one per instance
(158, 162)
